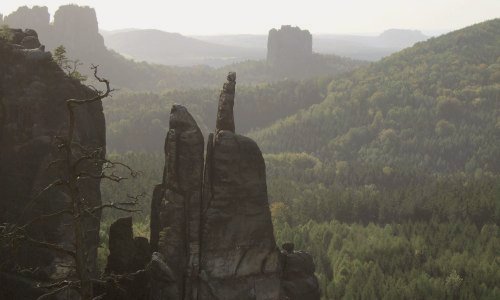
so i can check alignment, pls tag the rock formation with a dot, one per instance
(214, 228)
(74, 26)
(35, 18)
(225, 114)
(126, 253)
(289, 49)
(178, 201)
(298, 281)
(239, 257)
(33, 90)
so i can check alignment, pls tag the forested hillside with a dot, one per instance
(392, 181)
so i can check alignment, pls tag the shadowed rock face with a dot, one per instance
(225, 115)
(177, 202)
(298, 281)
(126, 253)
(239, 257)
(33, 91)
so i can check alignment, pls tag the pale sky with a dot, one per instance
(208, 17)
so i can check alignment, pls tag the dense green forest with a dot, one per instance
(389, 176)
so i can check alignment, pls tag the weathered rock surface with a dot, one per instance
(239, 257)
(225, 114)
(177, 202)
(298, 281)
(32, 113)
(215, 229)
(289, 49)
(126, 253)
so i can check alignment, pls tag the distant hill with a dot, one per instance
(400, 38)
(354, 46)
(237, 40)
(368, 47)
(166, 48)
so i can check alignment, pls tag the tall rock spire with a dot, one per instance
(216, 232)
(175, 208)
(225, 115)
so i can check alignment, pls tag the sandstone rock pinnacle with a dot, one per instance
(213, 227)
(225, 115)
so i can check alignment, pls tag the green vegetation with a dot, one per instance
(67, 65)
(139, 121)
(392, 181)
(401, 261)
(5, 33)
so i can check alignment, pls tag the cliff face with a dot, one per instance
(33, 90)
(289, 48)
(76, 28)
(214, 227)
(176, 234)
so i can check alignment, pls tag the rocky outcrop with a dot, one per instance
(214, 229)
(33, 91)
(239, 257)
(225, 114)
(126, 253)
(289, 49)
(177, 203)
(298, 281)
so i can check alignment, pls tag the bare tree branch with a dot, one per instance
(50, 246)
(60, 287)
(48, 216)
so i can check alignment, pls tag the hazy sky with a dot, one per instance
(258, 16)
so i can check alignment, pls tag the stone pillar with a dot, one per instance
(225, 116)
(176, 203)
(239, 257)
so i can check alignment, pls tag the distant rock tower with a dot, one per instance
(289, 48)
(74, 26)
